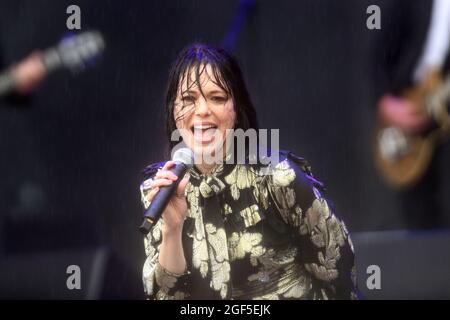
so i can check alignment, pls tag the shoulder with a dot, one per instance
(290, 172)
(287, 167)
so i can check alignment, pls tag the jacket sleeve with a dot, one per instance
(159, 284)
(323, 240)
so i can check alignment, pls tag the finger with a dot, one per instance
(419, 114)
(418, 123)
(152, 194)
(182, 186)
(411, 124)
(415, 118)
(169, 164)
(161, 182)
(165, 174)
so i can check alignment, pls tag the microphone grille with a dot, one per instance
(185, 156)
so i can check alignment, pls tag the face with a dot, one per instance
(204, 115)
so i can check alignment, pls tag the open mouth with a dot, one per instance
(204, 133)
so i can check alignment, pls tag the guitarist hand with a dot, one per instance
(402, 113)
(28, 73)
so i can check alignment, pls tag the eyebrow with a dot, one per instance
(210, 93)
(217, 91)
(189, 92)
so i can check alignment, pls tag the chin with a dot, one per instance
(206, 154)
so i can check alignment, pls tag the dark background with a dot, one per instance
(70, 162)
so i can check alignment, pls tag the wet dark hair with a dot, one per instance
(226, 74)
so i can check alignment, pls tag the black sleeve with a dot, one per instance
(397, 47)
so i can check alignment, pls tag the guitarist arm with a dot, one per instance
(28, 73)
(21, 79)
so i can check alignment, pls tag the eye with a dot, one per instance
(219, 99)
(189, 99)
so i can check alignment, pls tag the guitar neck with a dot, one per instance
(51, 59)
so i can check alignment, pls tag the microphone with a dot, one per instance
(184, 160)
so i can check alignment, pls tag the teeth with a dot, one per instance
(203, 127)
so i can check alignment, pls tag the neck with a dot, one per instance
(205, 168)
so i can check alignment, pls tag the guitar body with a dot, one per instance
(406, 170)
(405, 166)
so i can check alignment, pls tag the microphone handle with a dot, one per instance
(161, 199)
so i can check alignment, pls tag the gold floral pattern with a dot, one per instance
(199, 245)
(250, 215)
(227, 209)
(291, 282)
(163, 278)
(220, 266)
(283, 174)
(271, 223)
(239, 179)
(241, 244)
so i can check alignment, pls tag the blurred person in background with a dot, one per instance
(412, 62)
(17, 82)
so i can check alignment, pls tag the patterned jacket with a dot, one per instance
(254, 233)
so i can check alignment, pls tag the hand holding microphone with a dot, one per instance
(167, 194)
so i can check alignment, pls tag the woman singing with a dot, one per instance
(237, 231)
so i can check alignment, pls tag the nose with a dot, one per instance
(202, 108)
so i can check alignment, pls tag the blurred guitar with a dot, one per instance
(75, 53)
(403, 158)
